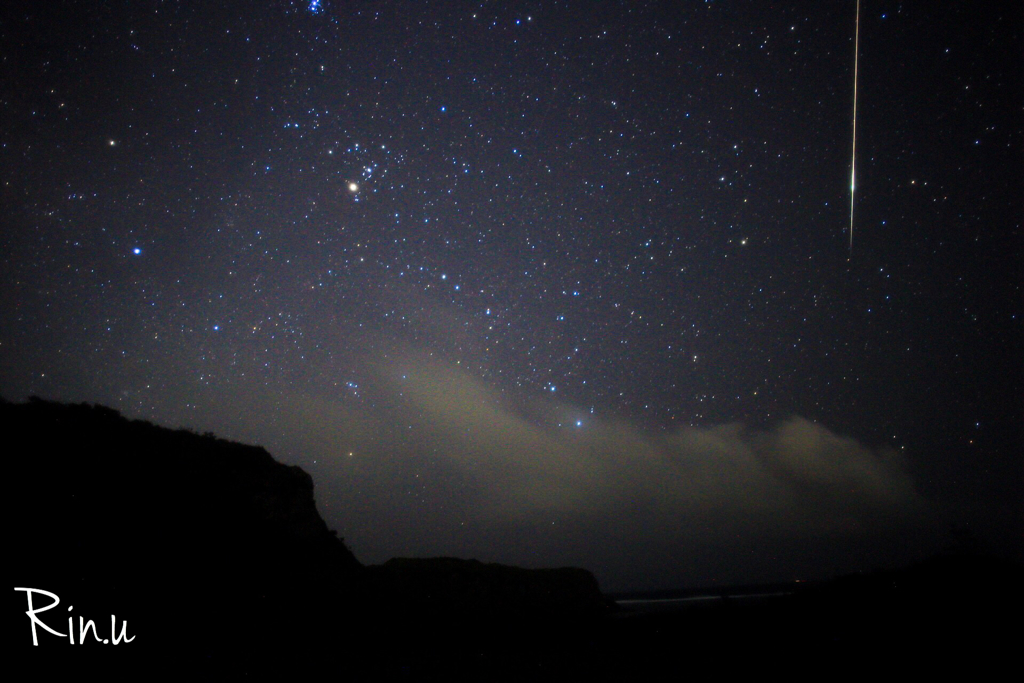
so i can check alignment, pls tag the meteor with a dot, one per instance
(853, 155)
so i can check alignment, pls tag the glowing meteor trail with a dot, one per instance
(853, 155)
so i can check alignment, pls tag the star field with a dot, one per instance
(304, 224)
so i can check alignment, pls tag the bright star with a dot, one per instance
(353, 187)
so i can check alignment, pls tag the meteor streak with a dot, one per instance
(853, 155)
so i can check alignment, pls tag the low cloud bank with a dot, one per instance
(797, 474)
(443, 464)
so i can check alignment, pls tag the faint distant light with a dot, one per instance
(112, 143)
(136, 251)
(216, 328)
(444, 109)
(579, 423)
(443, 276)
(552, 388)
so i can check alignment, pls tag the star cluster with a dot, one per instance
(628, 213)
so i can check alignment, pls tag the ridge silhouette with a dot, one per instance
(214, 559)
(215, 555)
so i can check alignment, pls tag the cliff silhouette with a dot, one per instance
(215, 555)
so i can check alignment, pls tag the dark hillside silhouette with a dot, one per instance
(203, 545)
(452, 587)
(216, 557)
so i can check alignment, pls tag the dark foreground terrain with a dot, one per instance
(213, 559)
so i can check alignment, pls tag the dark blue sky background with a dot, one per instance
(543, 283)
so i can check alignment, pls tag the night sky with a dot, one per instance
(550, 283)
